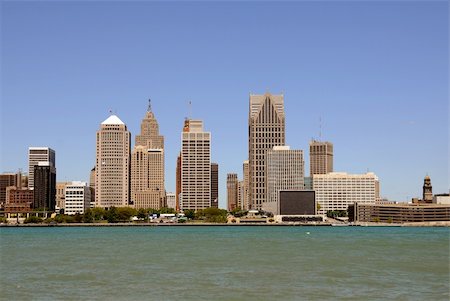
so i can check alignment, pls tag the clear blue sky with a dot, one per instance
(375, 72)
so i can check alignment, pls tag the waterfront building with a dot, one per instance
(245, 186)
(215, 185)
(112, 165)
(232, 191)
(320, 158)
(36, 155)
(61, 194)
(77, 198)
(44, 186)
(195, 166)
(441, 199)
(147, 165)
(284, 170)
(427, 196)
(266, 130)
(19, 199)
(293, 203)
(240, 196)
(6, 180)
(399, 213)
(171, 200)
(337, 190)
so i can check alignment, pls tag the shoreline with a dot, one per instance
(418, 224)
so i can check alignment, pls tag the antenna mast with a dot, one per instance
(149, 109)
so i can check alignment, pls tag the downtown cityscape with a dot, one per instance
(274, 187)
(224, 150)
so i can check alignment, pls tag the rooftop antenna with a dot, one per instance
(149, 109)
(190, 109)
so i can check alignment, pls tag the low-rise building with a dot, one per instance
(19, 199)
(77, 198)
(338, 190)
(441, 199)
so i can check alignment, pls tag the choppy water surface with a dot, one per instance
(224, 263)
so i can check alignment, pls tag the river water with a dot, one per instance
(224, 263)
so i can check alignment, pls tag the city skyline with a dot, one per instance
(381, 90)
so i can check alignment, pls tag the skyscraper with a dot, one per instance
(215, 185)
(320, 158)
(44, 186)
(232, 191)
(266, 130)
(285, 171)
(195, 166)
(36, 155)
(112, 165)
(178, 183)
(147, 165)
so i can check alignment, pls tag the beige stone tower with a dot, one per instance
(245, 186)
(266, 129)
(112, 165)
(320, 158)
(147, 165)
(195, 166)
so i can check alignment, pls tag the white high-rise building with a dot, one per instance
(171, 200)
(112, 166)
(77, 198)
(337, 190)
(195, 166)
(266, 129)
(36, 155)
(285, 171)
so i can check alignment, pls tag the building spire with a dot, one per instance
(149, 109)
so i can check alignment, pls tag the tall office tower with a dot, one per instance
(147, 165)
(215, 185)
(61, 194)
(36, 155)
(78, 197)
(232, 191)
(6, 180)
(320, 158)
(195, 166)
(337, 190)
(245, 187)
(427, 190)
(44, 186)
(178, 183)
(112, 165)
(284, 170)
(266, 129)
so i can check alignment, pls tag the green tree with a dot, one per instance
(125, 213)
(189, 213)
(88, 216)
(33, 220)
(166, 210)
(142, 213)
(98, 213)
(112, 216)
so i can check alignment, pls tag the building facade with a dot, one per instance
(77, 198)
(44, 186)
(285, 171)
(195, 166)
(232, 191)
(171, 200)
(178, 182)
(427, 195)
(61, 194)
(215, 185)
(19, 199)
(112, 165)
(320, 158)
(147, 165)
(338, 190)
(36, 155)
(6, 180)
(266, 130)
(245, 186)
